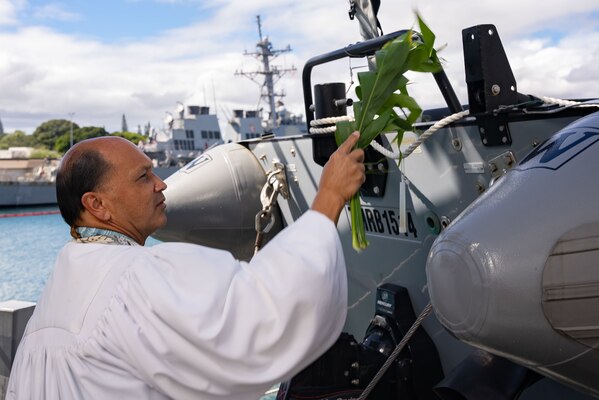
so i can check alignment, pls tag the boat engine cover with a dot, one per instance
(516, 273)
(214, 199)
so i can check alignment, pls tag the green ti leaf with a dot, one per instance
(381, 93)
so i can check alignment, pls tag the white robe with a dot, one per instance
(183, 321)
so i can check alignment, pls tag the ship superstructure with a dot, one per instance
(188, 132)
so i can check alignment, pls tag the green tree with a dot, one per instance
(134, 138)
(17, 139)
(47, 133)
(62, 143)
(44, 153)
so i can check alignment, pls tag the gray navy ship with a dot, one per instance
(25, 181)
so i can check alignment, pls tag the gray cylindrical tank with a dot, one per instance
(214, 199)
(517, 273)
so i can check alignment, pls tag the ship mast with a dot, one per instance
(265, 53)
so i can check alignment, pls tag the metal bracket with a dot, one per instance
(280, 175)
(377, 168)
(494, 130)
(499, 165)
(489, 76)
(491, 83)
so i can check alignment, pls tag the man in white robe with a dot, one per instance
(121, 321)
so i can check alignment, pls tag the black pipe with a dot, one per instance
(447, 91)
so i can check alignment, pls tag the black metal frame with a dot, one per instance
(491, 83)
(361, 50)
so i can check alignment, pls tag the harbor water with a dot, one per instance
(30, 239)
(28, 248)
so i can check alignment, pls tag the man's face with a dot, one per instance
(132, 193)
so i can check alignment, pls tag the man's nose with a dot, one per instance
(159, 186)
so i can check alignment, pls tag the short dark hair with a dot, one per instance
(78, 174)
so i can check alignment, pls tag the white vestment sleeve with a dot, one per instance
(207, 323)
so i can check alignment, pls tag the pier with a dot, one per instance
(29, 214)
(14, 315)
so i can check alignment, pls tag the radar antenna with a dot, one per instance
(265, 53)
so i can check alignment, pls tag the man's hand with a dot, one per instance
(341, 178)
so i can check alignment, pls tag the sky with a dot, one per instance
(99, 60)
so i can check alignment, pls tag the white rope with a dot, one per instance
(330, 120)
(565, 103)
(328, 129)
(425, 135)
(327, 121)
(382, 150)
(436, 126)
(455, 117)
(428, 133)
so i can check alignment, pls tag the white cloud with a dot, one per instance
(44, 74)
(54, 11)
(9, 10)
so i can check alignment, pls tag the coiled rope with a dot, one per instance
(382, 150)
(331, 121)
(429, 132)
(327, 121)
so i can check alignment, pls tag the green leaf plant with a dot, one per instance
(383, 91)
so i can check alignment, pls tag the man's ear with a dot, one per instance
(92, 202)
